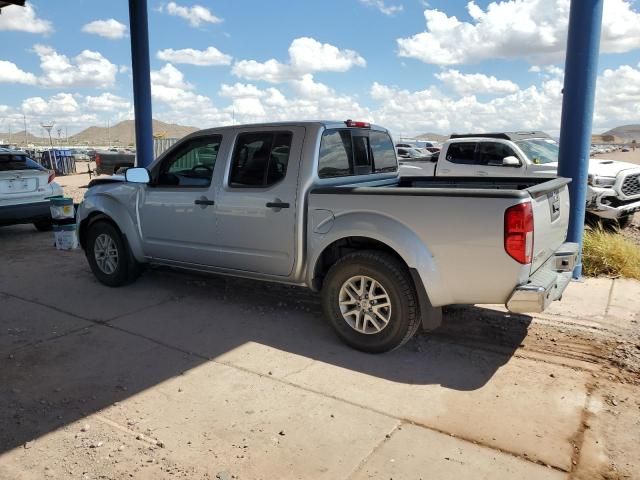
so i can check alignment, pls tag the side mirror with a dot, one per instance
(137, 175)
(511, 161)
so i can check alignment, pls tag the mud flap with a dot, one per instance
(430, 316)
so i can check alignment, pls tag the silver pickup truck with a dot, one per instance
(321, 205)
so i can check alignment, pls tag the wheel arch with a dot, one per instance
(104, 208)
(355, 229)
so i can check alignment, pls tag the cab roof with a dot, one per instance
(524, 135)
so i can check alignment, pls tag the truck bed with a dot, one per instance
(461, 222)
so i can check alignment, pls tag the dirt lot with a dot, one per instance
(182, 376)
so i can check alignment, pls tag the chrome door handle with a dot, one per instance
(483, 174)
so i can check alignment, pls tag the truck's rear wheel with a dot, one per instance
(370, 301)
(109, 256)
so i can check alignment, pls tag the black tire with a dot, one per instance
(43, 225)
(624, 221)
(395, 279)
(127, 269)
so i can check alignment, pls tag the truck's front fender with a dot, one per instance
(397, 236)
(118, 203)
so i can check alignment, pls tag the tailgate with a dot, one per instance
(550, 202)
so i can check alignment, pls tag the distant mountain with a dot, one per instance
(120, 135)
(17, 138)
(627, 132)
(124, 133)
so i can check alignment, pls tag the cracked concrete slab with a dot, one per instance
(588, 299)
(538, 423)
(417, 453)
(24, 323)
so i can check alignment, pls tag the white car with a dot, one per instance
(613, 192)
(25, 190)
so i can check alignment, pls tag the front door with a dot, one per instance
(177, 210)
(256, 209)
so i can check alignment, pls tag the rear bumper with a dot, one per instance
(24, 213)
(546, 284)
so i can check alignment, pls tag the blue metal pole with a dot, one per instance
(141, 81)
(581, 69)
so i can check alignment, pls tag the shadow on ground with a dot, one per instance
(71, 347)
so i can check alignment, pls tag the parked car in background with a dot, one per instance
(412, 153)
(79, 155)
(25, 190)
(614, 187)
(321, 205)
(109, 162)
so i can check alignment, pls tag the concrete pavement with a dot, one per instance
(206, 377)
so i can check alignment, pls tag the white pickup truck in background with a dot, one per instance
(614, 187)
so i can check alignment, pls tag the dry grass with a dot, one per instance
(611, 254)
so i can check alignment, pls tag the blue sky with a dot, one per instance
(405, 64)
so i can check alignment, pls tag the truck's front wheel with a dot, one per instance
(370, 300)
(109, 256)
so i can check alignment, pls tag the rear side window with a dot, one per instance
(384, 155)
(464, 153)
(335, 154)
(260, 159)
(10, 162)
(345, 152)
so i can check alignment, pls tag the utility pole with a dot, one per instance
(108, 134)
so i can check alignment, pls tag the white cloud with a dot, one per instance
(383, 7)
(618, 97)
(11, 73)
(210, 56)
(532, 29)
(241, 90)
(170, 76)
(537, 107)
(270, 71)
(109, 28)
(23, 19)
(195, 15)
(88, 69)
(61, 103)
(306, 87)
(106, 102)
(475, 83)
(306, 55)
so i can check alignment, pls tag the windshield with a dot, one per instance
(540, 150)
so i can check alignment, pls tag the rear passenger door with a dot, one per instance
(459, 160)
(256, 208)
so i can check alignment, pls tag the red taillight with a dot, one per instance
(52, 175)
(98, 160)
(354, 124)
(518, 232)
